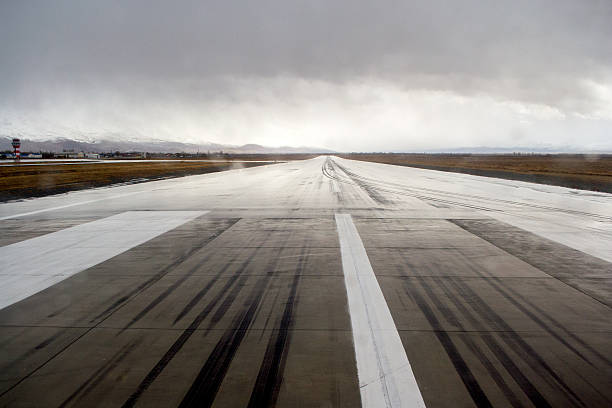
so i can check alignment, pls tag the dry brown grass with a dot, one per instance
(588, 172)
(37, 180)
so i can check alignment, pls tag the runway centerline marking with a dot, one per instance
(385, 375)
(33, 265)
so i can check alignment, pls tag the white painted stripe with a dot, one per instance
(385, 376)
(35, 264)
(8, 217)
(588, 236)
(334, 185)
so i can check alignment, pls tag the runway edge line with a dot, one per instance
(385, 375)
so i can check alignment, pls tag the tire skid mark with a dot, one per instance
(329, 171)
(186, 334)
(160, 298)
(515, 341)
(493, 372)
(204, 388)
(325, 169)
(553, 320)
(198, 296)
(524, 384)
(496, 284)
(88, 385)
(521, 380)
(370, 190)
(269, 379)
(180, 281)
(59, 311)
(453, 319)
(271, 312)
(233, 294)
(461, 367)
(566, 261)
(418, 191)
(110, 311)
(429, 267)
(515, 294)
(39, 346)
(402, 191)
(158, 275)
(517, 374)
(512, 295)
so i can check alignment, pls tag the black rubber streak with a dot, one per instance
(99, 374)
(557, 260)
(162, 273)
(178, 283)
(187, 333)
(454, 320)
(117, 304)
(515, 342)
(512, 295)
(369, 189)
(204, 388)
(526, 386)
(466, 375)
(269, 378)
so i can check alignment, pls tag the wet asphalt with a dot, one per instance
(246, 305)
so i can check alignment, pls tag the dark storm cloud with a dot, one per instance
(525, 50)
(348, 75)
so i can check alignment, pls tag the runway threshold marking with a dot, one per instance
(33, 265)
(385, 375)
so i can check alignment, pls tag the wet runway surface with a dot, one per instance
(499, 292)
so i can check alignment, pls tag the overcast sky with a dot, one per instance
(347, 75)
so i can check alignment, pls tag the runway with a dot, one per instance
(316, 283)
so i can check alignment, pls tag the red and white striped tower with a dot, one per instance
(17, 145)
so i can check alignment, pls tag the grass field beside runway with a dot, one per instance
(40, 180)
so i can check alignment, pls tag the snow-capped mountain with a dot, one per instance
(38, 135)
(99, 145)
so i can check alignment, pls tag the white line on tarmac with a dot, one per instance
(35, 264)
(558, 227)
(385, 376)
(335, 187)
(8, 217)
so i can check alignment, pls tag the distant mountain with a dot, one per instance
(60, 144)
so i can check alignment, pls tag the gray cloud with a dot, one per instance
(551, 52)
